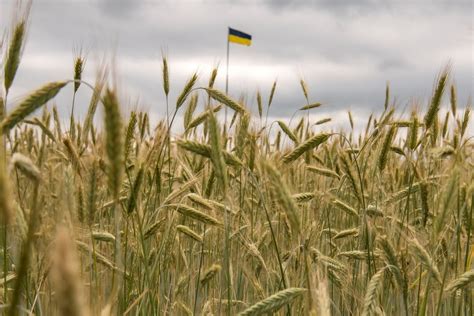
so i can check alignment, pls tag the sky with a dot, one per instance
(346, 51)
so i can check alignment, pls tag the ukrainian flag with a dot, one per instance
(239, 37)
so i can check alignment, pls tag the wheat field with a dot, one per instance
(247, 217)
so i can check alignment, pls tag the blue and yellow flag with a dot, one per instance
(239, 37)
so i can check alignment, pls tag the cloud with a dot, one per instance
(330, 5)
(393, 63)
(346, 51)
(119, 9)
(364, 7)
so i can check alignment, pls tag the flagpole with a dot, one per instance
(227, 76)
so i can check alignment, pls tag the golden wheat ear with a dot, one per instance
(6, 205)
(274, 302)
(437, 96)
(14, 54)
(462, 281)
(224, 99)
(113, 141)
(309, 144)
(31, 103)
(210, 273)
(186, 91)
(79, 64)
(371, 293)
(166, 76)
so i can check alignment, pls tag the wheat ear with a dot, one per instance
(371, 293)
(31, 103)
(14, 54)
(309, 144)
(195, 214)
(274, 302)
(288, 132)
(221, 97)
(433, 109)
(6, 207)
(113, 141)
(461, 281)
(186, 90)
(426, 259)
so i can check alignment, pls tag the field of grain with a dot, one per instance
(251, 217)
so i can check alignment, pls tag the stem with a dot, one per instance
(272, 232)
(71, 119)
(3, 163)
(25, 253)
(201, 259)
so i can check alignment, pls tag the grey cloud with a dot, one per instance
(346, 59)
(393, 63)
(332, 5)
(119, 9)
(366, 6)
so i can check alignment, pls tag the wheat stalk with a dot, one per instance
(91, 192)
(346, 233)
(79, 63)
(216, 152)
(453, 100)
(303, 197)
(6, 207)
(386, 145)
(323, 171)
(221, 97)
(202, 117)
(135, 191)
(14, 54)
(344, 207)
(387, 96)
(186, 90)
(259, 104)
(65, 275)
(371, 292)
(304, 87)
(433, 109)
(392, 260)
(129, 135)
(3, 108)
(73, 155)
(284, 196)
(272, 94)
(166, 76)
(188, 114)
(310, 106)
(26, 166)
(461, 281)
(205, 150)
(274, 302)
(205, 203)
(465, 120)
(36, 99)
(96, 94)
(210, 273)
(113, 141)
(288, 132)
(195, 214)
(189, 232)
(212, 78)
(323, 121)
(309, 144)
(103, 236)
(426, 259)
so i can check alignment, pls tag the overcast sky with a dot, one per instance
(345, 50)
